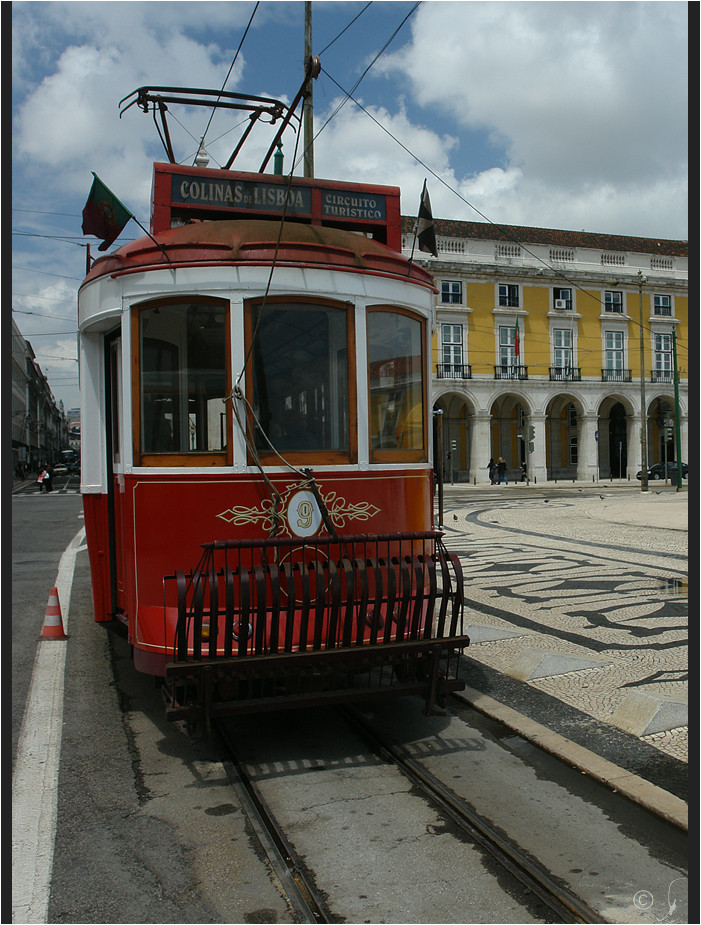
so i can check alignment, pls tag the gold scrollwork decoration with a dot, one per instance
(340, 511)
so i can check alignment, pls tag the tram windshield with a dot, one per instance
(183, 378)
(300, 377)
(396, 364)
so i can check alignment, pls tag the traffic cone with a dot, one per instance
(53, 621)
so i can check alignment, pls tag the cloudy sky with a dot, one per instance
(562, 115)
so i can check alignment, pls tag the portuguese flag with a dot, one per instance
(104, 215)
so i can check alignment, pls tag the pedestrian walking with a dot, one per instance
(501, 472)
(523, 471)
(492, 469)
(43, 474)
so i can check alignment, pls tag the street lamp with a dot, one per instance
(643, 410)
(438, 463)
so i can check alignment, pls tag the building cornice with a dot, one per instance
(553, 237)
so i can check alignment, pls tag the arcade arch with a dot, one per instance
(563, 439)
(452, 436)
(616, 440)
(510, 416)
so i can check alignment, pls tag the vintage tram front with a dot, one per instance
(256, 445)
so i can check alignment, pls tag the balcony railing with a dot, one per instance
(616, 375)
(662, 375)
(453, 371)
(511, 372)
(565, 374)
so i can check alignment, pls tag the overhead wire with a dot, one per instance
(46, 273)
(44, 212)
(348, 95)
(363, 75)
(345, 29)
(237, 394)
(231, 67)
(502, 228)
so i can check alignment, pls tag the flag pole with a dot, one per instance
(106, 216)
(147, 232)
(416, 227)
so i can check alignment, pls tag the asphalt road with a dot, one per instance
(42, 527)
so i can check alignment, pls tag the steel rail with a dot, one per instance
(559, 899)
(299, 891)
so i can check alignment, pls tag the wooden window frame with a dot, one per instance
(193, 458)
(401, 455)
(307, 457)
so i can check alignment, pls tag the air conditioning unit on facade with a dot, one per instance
(560, 303)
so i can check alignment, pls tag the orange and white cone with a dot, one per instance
(53, 621)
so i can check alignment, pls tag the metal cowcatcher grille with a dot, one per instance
(273, 623)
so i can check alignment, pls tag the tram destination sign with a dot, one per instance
(353, 204)
(240, 194)
(181, 192)
(270, 197)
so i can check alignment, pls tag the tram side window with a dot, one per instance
(183, 379)
(300, 378)
(397, 388)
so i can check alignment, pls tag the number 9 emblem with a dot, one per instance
(303, 514)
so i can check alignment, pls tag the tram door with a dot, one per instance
(113, 389)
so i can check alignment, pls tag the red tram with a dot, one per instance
(256, 447)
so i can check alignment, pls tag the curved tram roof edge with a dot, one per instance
(258, 242)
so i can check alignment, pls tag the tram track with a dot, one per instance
(562, 902)
(260, 777)
(296, 883)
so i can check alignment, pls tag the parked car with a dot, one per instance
(658, 471)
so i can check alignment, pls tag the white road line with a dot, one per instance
(35, 777)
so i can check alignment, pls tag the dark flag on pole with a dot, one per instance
(104, 215)
(426, 231)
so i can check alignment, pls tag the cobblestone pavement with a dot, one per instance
(581, 593)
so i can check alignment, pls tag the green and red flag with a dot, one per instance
(104, 215)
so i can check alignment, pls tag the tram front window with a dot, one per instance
(183, 378)
(300, 378)
(396, 374)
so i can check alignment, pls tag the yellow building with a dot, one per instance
(537, 350)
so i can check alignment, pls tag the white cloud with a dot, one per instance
(587, 99)
(585, 103)
(69, 121)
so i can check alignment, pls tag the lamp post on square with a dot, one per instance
(643, 410)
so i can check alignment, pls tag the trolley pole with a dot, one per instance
(308, 107)
(643, 409)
